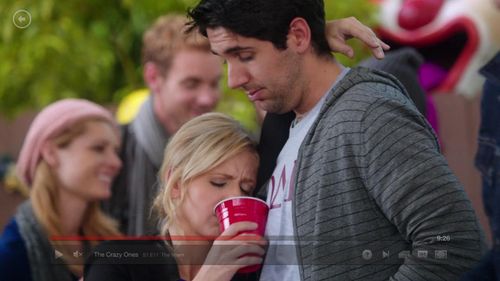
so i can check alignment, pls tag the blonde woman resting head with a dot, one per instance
(209, 159)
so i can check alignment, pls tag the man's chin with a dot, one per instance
(198, 113)
(268, 107)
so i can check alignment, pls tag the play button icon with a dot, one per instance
(58, 254)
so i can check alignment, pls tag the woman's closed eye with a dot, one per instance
(247, 189)
(218, 183)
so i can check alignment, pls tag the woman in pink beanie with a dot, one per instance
(68, 159)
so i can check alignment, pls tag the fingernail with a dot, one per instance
(380, 53)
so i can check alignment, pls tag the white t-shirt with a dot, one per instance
(281, 258)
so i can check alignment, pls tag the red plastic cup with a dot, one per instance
(243, 208)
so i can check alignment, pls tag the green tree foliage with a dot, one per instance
(363, 10)
(91, 49)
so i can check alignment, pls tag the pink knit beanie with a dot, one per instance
(50, 122)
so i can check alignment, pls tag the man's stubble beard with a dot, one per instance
(289, 92)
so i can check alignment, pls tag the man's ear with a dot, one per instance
(49, 154)
(299, 35)
(152, 77)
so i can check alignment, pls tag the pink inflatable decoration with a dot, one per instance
(455, 36)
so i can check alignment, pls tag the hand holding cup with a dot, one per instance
(233, 211)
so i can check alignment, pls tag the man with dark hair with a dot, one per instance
(360, 189)
(183, 77)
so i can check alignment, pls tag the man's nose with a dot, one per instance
(208, 97)
(237, 76)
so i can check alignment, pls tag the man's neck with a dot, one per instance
(320, 73)
(168, 124)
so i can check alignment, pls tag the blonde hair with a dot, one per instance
(166, 37)
(199, 145)
(44, 194)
